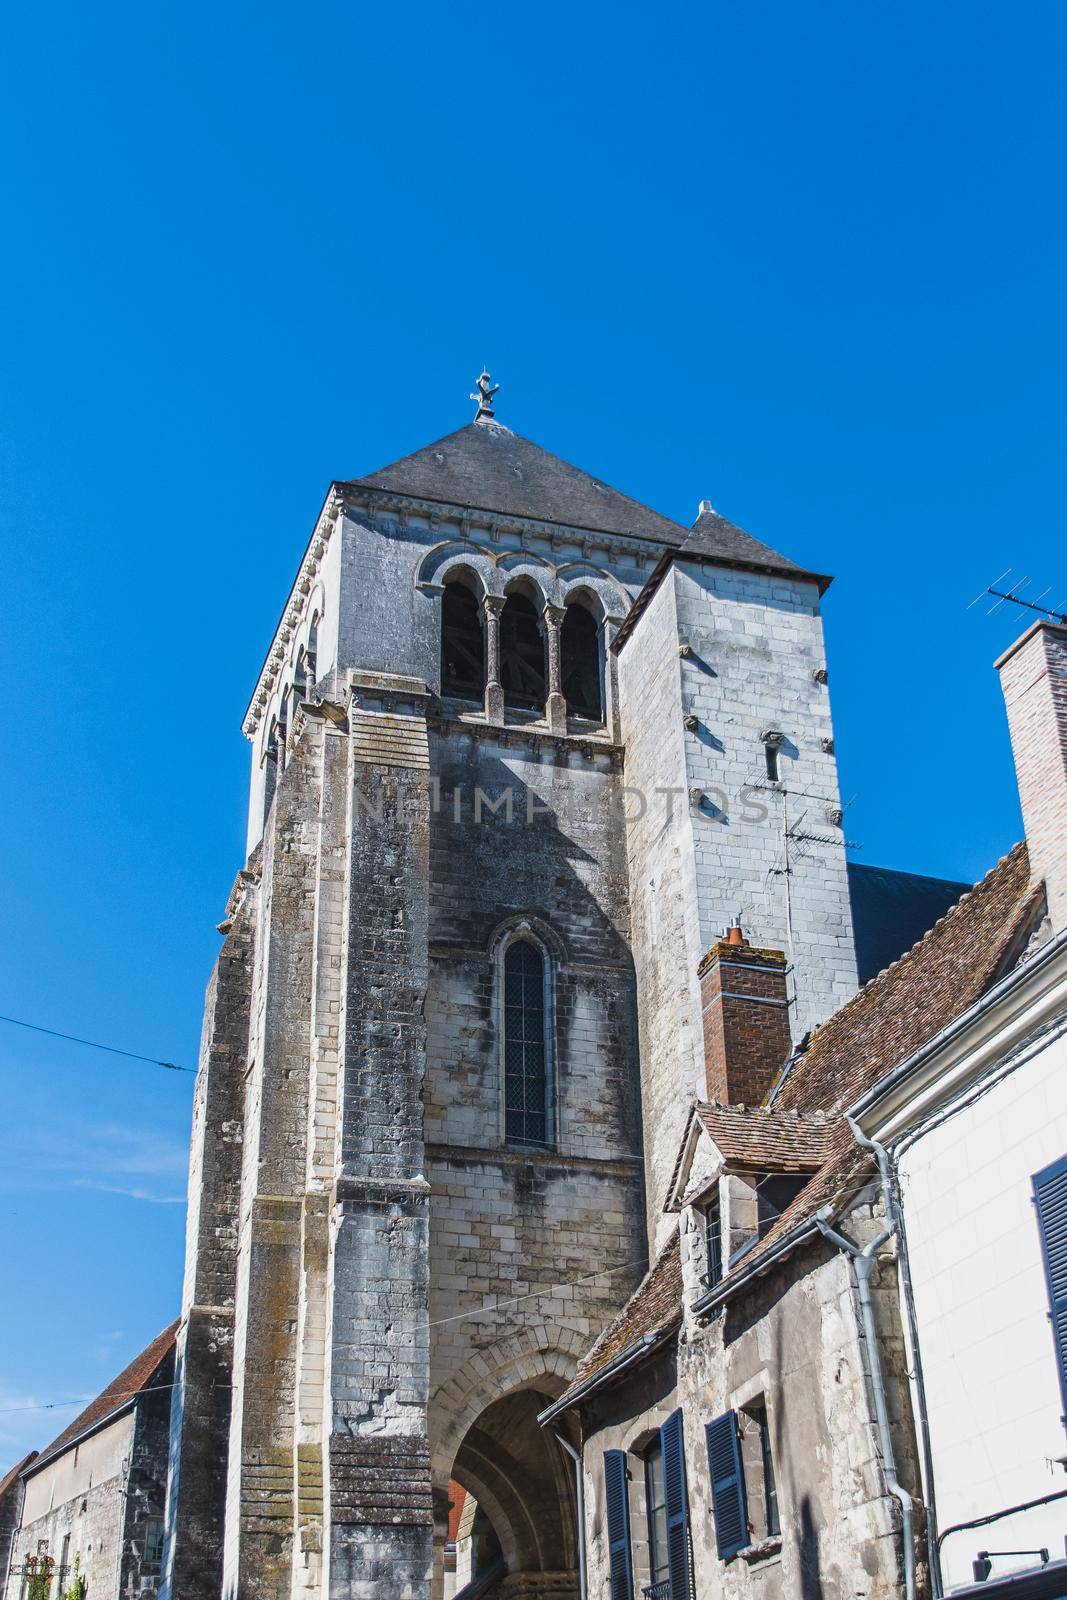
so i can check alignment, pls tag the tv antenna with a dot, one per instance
(1013, 594)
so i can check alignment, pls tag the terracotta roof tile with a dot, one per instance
(757, 1137)
(138, 1375)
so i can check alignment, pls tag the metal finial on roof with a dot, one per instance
(486, 390)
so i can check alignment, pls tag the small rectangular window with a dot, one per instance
(153, 1544)
(713, 1239)
(656, 1513)
(759, 1465)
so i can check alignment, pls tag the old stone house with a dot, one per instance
(92, 1502)
(842, 1356)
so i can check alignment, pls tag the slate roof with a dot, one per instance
(891, 910)
(713, 537)
(118, 1394)
(900, 1010)
(487, 466)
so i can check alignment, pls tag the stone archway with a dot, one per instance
(523, 1484)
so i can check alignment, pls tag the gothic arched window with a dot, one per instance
(525, 1045)
(522, 654)
(462, 645)
(579, 645)
(313, 652)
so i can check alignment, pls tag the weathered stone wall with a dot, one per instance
(558, 1232)
(757, 647)
(200, 1412)
(795, 1341)
(738, 653)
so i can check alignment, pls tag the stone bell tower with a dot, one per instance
(417, 1189)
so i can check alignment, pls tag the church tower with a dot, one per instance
(520, 747)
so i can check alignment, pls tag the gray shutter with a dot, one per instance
(620, 1562)
(1050, 1202)
(727, 1485)
(676, 1498)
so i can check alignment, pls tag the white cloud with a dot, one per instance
(139, 1163)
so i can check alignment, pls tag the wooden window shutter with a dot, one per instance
(727, 1485)
(1050, 1202)
(676, 1498)
(620, 1561)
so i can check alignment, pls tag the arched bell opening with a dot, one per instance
(523, 673)
(462, 640)
(581, 663)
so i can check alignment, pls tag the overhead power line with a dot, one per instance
(131, 1055)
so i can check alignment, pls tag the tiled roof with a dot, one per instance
(486, 466)
(900, 1010)
(756, 1138)
(138, 1375)
(940, 976)
(11, 1478)
(784, 1141)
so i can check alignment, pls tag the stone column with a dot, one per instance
(379, 1529)
(555, 706)
(260, 1504)
(494, 693)
(608, 629)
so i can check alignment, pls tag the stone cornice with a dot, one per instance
(495, 525)
(293, 610)
(535, 735)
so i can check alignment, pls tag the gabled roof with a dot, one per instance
(11, 1478)
(486, 466)
(902, 1009)
(754, 1138)
(119, 1394)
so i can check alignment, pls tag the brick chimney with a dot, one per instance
(1033, 676)
(746, 1019)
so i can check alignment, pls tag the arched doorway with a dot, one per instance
(524, 1528)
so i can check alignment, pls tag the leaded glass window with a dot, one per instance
(525, 1073)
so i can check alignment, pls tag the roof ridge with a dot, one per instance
(906, 955)
(137, 1372)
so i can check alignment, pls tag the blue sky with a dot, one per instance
(805, 262)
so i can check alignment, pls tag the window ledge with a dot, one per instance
(762, 1550)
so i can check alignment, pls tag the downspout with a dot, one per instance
(863, 1262)
(887, 1175)
(561, 1439)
